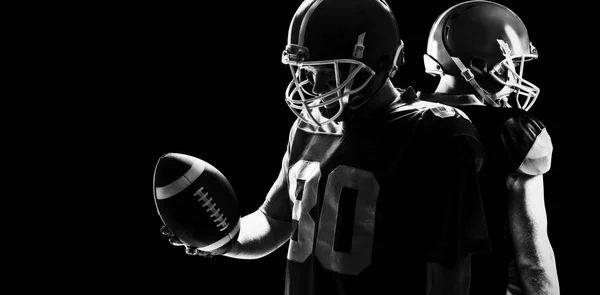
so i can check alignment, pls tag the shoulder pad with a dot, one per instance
(443, 123)
(443, 111)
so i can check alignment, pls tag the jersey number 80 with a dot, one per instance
(304, 177)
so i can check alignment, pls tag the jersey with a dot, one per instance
(514, 141)
(373, 200)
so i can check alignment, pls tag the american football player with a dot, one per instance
(374, 184)
(479, 50)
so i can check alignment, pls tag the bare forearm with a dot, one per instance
(259, 236)
(539, 282)
(540, 277)
(528, 228)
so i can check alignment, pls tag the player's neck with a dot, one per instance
(453, 86)
(385, 96)
(380, 100)
(455, 92)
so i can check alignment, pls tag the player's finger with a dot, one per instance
(175, 241)
(190, 250)
(203, 254)
(165, 231)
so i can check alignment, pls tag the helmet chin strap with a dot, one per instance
(469, 77)
(348, 112)
(359, 49)
(352, 111)
(502, 97)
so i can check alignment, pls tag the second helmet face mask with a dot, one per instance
(487, 45)
(346, 49)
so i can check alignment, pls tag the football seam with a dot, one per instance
(175, 187)
(224, 240)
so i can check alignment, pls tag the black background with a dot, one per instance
(207, 80)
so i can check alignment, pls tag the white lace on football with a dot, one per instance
(216, 215)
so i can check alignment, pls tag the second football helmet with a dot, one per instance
(487, 44)
(356, 39)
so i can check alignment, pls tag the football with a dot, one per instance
(195, 201)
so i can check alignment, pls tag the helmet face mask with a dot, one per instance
(299, 94)
(337, 57)
(509, 72)
(487, 45)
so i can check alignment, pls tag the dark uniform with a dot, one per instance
(513, 141)
(371, 202)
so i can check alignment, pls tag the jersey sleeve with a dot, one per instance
(277, 204)
(527, 144)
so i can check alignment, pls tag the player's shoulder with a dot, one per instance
(527, 139)
(444, 118)
(439, 111)
(441, 130)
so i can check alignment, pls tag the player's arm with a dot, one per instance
(528, 228)
(269, 227)
(261, 234)
(527, 221)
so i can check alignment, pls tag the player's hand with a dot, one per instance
(189, 250)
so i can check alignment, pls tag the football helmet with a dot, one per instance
(357, 40)
(487, 44)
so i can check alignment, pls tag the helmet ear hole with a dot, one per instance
(432, 66)
(479, 65)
